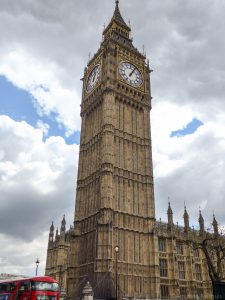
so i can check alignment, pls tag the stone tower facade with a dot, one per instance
(115, 194)
(115, 199)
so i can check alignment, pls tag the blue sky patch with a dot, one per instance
(190, 128)
(74, 138)
(16, 103)
(19, 105)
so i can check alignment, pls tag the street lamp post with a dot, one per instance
(37, 262)
(117, 251)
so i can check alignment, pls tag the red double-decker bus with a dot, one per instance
(35, 288)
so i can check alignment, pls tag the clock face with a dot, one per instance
(130, 74)
(93, 78)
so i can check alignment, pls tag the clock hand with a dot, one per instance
(93, 79)
(132, 72)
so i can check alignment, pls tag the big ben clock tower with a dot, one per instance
(115, 198)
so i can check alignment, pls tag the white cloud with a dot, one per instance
(37, 185)
(42, 80)
(44, 127)
(11, 260)
(191, 168)
(168, 152)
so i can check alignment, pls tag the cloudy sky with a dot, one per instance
(44, 47)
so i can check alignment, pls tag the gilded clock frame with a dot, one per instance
(97, 61)
(122, 57)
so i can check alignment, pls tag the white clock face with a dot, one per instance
(130, 74)
(93, 78)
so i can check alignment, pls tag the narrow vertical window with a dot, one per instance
(162, 245)
(181, 270)
(198, 273)
(183, 292)
(180, 248)
(196, 252)
(200, 294)
(164, 289)
(163, 268)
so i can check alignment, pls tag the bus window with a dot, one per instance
(44, 286)
(7, 287)
(25, 287)
(3, 287)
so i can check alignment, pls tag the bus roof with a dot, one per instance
(38, 278)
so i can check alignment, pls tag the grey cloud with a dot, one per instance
(183, 41)
(26, 213)
(28, 203)
(200, 179)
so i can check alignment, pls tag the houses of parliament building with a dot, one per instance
(116, 243)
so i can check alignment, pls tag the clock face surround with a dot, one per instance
(93, 78)
(131, 74)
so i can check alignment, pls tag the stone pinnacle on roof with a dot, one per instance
(170, 216)
(201, 222)
(215, 225)
(52, 227)
(169, 210)
(186, 220)
(200, 219)
(185, 212)
(63, 224)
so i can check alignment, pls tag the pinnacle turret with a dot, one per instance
(169, 210)
(186, 220)
(215, 225)
(201, 223)
(170, 215)
(52, 227)
(63, 225)
(51, 233)
(57, 234)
